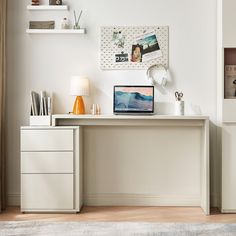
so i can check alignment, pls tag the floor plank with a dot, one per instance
(131, 214)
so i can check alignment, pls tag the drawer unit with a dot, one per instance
(47, 162)
(47, 192)
(51, 163)
(47, 140)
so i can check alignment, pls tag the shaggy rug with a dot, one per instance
(113, 229)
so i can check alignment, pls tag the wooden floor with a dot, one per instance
(131, 214)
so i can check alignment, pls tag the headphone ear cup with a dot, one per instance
(162, 80)
(149, 74)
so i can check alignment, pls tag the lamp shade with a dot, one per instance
(79, 86)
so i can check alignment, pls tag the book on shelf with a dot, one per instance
(230, 81)
(42, 95)
(45, 109)
(49, 103)
(35, 104)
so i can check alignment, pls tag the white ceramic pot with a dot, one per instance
(179, 108)
(65, 23)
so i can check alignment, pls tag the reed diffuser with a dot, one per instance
(76, 25)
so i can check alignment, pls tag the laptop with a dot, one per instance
(133, 100)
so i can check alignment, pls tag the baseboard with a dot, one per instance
(228, 211)
(13, 199)
(132, 199)
(140, 200)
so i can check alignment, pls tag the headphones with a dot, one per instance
(161, 75)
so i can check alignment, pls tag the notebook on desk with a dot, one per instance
(133, 100)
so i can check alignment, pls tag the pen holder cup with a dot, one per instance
(179, 108)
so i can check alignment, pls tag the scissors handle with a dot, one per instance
(178, 95)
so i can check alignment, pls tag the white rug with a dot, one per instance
(113, 229)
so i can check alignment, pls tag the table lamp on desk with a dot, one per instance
(79, 87)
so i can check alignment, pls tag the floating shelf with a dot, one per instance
(55, 31)
(48, 7)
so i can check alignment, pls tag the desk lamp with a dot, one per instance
(79, 87)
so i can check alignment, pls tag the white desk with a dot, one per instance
(144, 160)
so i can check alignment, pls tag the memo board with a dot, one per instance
(119, 47)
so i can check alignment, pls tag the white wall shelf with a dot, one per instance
(48, 7)
(55, 31)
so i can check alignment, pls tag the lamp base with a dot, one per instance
(79, 108)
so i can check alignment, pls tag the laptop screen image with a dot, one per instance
(133, 99)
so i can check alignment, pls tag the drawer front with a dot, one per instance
(47, 192)
(47, 162)
(47, 140)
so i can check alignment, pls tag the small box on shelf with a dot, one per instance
(41, 24)
(55, 2)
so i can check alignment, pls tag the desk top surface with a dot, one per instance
(127, 117)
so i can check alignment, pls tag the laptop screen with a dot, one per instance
(133, 99)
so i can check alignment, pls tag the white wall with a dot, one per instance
(46, 62)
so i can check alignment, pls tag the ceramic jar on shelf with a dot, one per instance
(65, 23)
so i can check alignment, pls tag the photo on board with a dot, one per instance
(151, 48)
(137, 52)
(118, 39)
(122, 57)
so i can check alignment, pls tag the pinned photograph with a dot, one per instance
(137, 52)
(151, 48)
(122, 57)
(118, 39)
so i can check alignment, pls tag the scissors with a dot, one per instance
(178, 96)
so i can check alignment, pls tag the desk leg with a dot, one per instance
(205, 172)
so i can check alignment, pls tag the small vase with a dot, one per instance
(65, 24)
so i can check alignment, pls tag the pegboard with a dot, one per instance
(117, 55)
